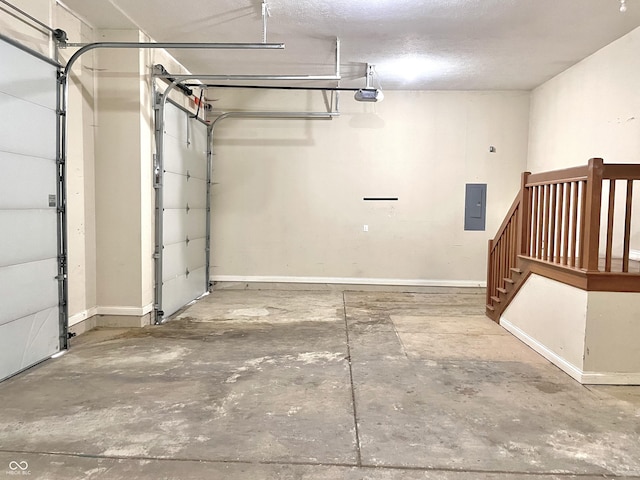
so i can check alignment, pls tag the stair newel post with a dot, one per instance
(524, 217)
(592, 213)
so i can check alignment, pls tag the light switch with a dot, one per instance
(365, 228)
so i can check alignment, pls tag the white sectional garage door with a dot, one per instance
(29, 310)
(185, 203)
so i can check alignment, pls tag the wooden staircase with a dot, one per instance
(553, 229)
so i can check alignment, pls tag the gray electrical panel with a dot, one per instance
(475, 206)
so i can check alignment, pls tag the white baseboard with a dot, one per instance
(585, 378)
(82, 316)
(351, 281)
(634, 255)
(569, 368)
(126, 311)
(109, 311)
(610, 378)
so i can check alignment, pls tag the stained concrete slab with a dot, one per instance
(64, 467)
(457, 393)
(252, 384)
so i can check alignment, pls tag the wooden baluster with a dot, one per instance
(565, 229)
(515, 246)
(533, 252)
(523, 218)
(559, 223)
(610, 215)
(541, 220)
(627, 227)
(592, 214)
(547, 218)
(583, 219)
(490, 269)
(553, 214)
(574, 222)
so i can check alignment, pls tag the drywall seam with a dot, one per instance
(351, 281)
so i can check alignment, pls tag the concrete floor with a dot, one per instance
(315, 384)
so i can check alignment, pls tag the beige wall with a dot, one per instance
(613, 332)
(287, 199)
(119, 176)
(590, 110)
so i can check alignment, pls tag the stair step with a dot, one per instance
(516, 270)
(496, 299)
(509, 280)
(502, 290)
(491, 307)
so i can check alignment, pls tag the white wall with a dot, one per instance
(288, 194)
(590, 110)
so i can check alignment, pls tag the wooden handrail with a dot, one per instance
(555, 176)
(555, 221)
(507, 219)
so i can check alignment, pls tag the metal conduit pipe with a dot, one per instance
(293, 78)
(85, 47)
(56, 33)
(270, 87)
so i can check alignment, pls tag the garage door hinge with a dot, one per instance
(156, 256)
(60, 277)
(71, 335)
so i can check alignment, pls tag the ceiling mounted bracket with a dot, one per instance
(266, 12)
(369, 93)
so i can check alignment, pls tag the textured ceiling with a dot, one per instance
(415, 44)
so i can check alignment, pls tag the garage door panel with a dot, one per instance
(175, 260)
(196, 164)
(183, 256)
(175, 227)
(33, 236)
(184, 229)
(26, 128)
(177, 289)
(199, 138)
(195, 254)
(196, 223)
(30, 313)
(196, 191)
(175, 191)
(30, 336)
(174, 159)
(24, 78)
(175, 123)
(28, 288)
(38, 174)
